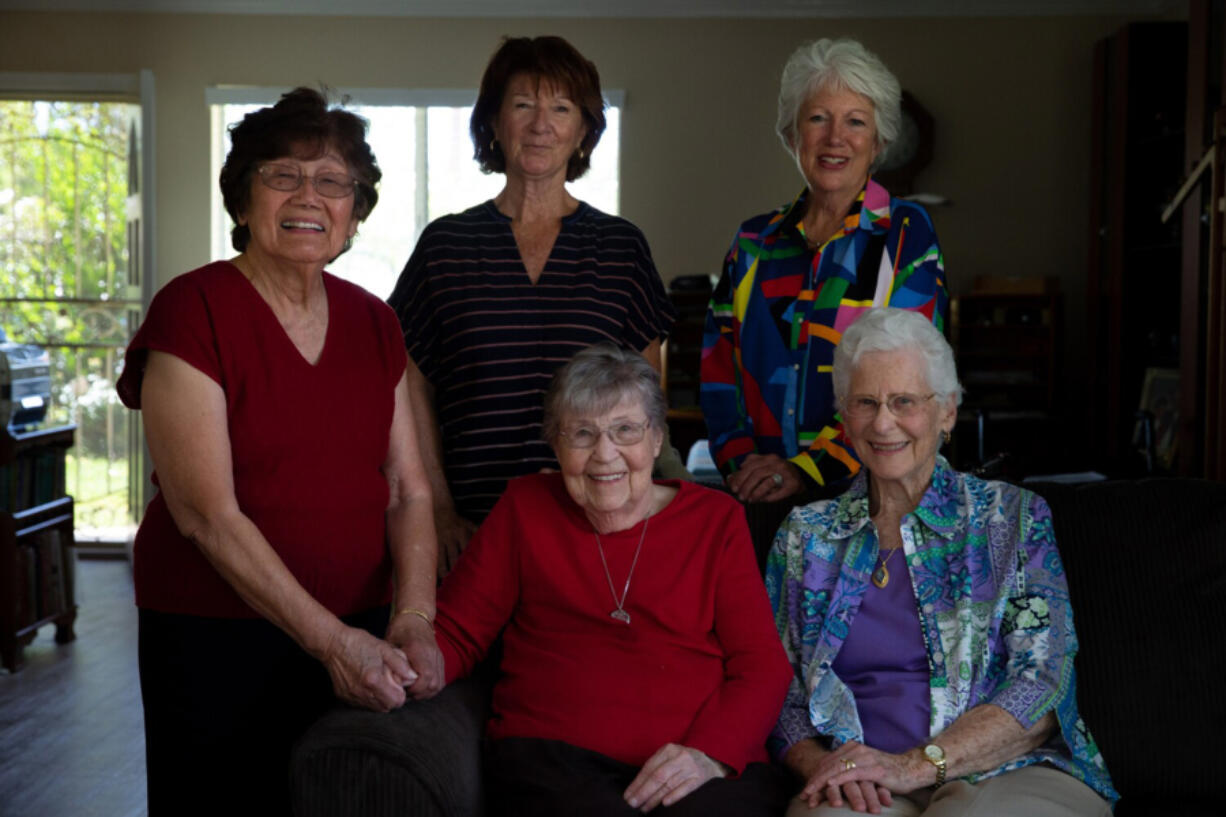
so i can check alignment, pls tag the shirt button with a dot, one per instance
(915, 561)
(928, 608)
(791, 411)
(796, 366)
(938, 657)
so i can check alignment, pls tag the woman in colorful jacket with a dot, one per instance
(927, 679)
(796, 278)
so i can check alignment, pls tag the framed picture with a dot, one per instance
(1160, 397)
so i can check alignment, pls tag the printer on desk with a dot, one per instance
(25, 384)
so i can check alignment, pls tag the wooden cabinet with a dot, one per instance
(1006, 346)
(36, 540)
(1008, 352)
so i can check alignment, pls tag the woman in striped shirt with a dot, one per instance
(495, 299)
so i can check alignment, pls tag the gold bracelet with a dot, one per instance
(414, 611)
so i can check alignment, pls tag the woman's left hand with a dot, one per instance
(765, 478)
(854, 762)
(415, 637)
(670, 774)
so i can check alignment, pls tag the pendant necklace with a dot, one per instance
(881, 576)
(620, 613)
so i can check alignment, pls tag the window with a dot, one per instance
(421, 141)
(65, 183)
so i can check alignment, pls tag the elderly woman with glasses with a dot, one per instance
(639, 665)
(926, 615)
(796, 278)
(292, 505)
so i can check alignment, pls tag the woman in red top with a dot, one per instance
(640, 665)
(292, 505)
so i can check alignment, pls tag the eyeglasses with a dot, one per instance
(863, 407)
(287, 178)
(619, 433)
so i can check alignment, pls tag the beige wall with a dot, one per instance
(1011, 100)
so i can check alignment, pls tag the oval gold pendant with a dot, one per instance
(881, 576)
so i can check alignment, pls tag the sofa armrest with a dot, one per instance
(421, 759)
(1146, 565)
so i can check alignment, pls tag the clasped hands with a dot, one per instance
(379, 674)
(670, 774)
(860, 777)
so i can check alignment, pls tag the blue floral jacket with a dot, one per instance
(993, 605)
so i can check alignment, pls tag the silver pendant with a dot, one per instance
(620, 615)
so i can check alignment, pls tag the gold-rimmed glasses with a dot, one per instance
(623, 433)
(863, 406)
(286, 178)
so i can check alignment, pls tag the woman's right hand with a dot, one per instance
(367, 671)
(859, 795)
(816, 765)
(765, 478)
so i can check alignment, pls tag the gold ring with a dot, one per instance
(848, 764)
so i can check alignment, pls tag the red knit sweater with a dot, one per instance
(700, 664)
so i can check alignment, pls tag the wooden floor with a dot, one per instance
(71, 730)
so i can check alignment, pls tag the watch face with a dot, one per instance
(934, 753)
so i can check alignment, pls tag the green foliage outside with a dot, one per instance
(63, 252)
(99, 488)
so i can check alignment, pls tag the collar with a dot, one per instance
(938, 510)
(871, 210)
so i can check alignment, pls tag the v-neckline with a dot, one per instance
(272, 316)
(566, 220)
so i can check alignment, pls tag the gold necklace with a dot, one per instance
(881, 576)
(620, 613)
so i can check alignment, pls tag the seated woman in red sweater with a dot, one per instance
(640, 663)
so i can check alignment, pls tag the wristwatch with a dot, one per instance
(936, 756)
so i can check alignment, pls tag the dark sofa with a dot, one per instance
(1146, 564)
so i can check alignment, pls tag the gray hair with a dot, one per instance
(597, 379)
(889, 329)
(839, 64)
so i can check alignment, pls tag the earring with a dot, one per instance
(493, 142)
(581, 154)
(945, 437)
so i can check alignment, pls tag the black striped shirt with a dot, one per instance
(489, 340)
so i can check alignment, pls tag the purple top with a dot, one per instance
(885, 665)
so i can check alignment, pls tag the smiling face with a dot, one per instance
(299, 226)
(835, 141)
(538, 128)
(897, 449)
(610, 482)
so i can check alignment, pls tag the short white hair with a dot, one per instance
(889, 329)
(841, 64)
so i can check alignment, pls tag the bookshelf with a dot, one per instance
(36, 540)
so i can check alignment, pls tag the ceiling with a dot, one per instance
(620, 8)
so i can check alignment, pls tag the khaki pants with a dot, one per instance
(1032, 791)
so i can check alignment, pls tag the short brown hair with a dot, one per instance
(302, 125)
(548, 59)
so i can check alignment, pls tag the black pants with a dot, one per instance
(530, 777)
(225, 700)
